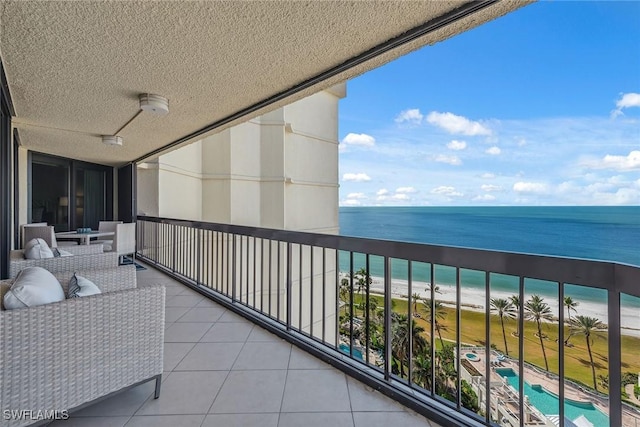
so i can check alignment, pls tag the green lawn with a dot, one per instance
(577, 365)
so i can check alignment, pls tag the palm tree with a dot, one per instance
(588, 326)
(415, 297)
(363, 280)
(422, 370)
(400, 339)
(515, 302)
(504, 309)
(538, 310)
(439, 313)
(436, 289)
(571, 305)
(344, 292)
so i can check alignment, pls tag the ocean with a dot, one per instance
(590, 232)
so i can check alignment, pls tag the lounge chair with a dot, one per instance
(67, 354)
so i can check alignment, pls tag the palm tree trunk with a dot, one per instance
(544, 353)
(566, 342)
(593, 368)
(504, 336)
(439, 334)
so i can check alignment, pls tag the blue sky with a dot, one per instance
(539, 107)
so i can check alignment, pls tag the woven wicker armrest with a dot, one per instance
(83, 249)
(107, 279)
(71, 263)
(59, 356)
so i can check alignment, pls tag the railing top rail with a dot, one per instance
(600, 274)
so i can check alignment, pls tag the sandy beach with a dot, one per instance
(474, 299)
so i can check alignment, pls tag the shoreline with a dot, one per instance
(473, 300)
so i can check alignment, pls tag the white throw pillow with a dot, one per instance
(37, 249)
(82, 287)
(60, 253)
(33, 286)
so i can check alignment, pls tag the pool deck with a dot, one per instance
(550, 382)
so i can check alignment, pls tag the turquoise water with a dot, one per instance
(356, 353)
(590, 232)
(549, 404)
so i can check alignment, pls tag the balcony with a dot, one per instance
(221, 369)
(308, 289)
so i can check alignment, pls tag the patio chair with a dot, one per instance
(103, 227)
(23, 226)
(68, 354)
(124, 240)
(44, 232)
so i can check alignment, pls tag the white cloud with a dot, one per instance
(400, 196)
(494, 151)
(619, 163)
(457, 124)
(361, 139)
(529, 187)
(457, 145)
(356, 196)
(412, 116)
(627, 100)
(350, 202)
(405, 190)
(451, 160)
(488, 175)
(382, 192)
(484, 198)
(356, 177)
(382, 198)
(489, 187)
(446, 191)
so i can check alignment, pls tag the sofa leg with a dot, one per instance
(158, 383)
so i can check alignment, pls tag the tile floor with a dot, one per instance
(222, 370)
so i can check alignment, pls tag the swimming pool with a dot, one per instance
(472, 357)
(356, 353)
(549, 404)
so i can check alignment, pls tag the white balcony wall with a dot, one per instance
(279, 170)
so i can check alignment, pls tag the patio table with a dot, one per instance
(83, 238)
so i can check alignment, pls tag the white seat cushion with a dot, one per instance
(33, 286)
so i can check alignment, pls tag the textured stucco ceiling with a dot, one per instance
(75, 68)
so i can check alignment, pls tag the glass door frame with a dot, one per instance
(72, 166)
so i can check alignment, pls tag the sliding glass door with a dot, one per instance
(69, 194)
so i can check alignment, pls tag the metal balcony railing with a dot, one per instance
(353, 302)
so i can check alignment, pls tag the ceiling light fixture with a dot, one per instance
(149, 102)
(154, 104)
(112, 140)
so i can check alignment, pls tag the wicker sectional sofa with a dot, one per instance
(64, 355)
(90, 257)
